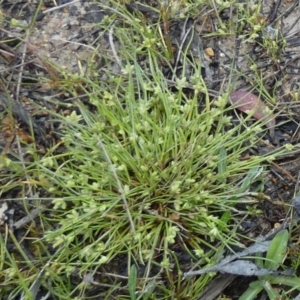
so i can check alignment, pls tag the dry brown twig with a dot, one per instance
(20, 74)
(113, 48)
(60, 6)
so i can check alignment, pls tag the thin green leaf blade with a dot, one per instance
(222, 164)
(132, 282)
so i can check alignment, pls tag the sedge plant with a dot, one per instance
(149, 167)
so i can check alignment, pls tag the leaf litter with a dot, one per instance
(252, 105)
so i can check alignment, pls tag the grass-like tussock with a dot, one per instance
(149, 169)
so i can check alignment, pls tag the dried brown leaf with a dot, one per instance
(251, 104)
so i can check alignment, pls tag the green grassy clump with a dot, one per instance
(146, 170)
(149, 168)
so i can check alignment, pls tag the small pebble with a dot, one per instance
(210, 52)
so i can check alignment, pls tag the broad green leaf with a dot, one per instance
(224, 220)
(255, 288)
(259, 260)
(293, 282)
(271, 292)
(252, 174)
(277, 250)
